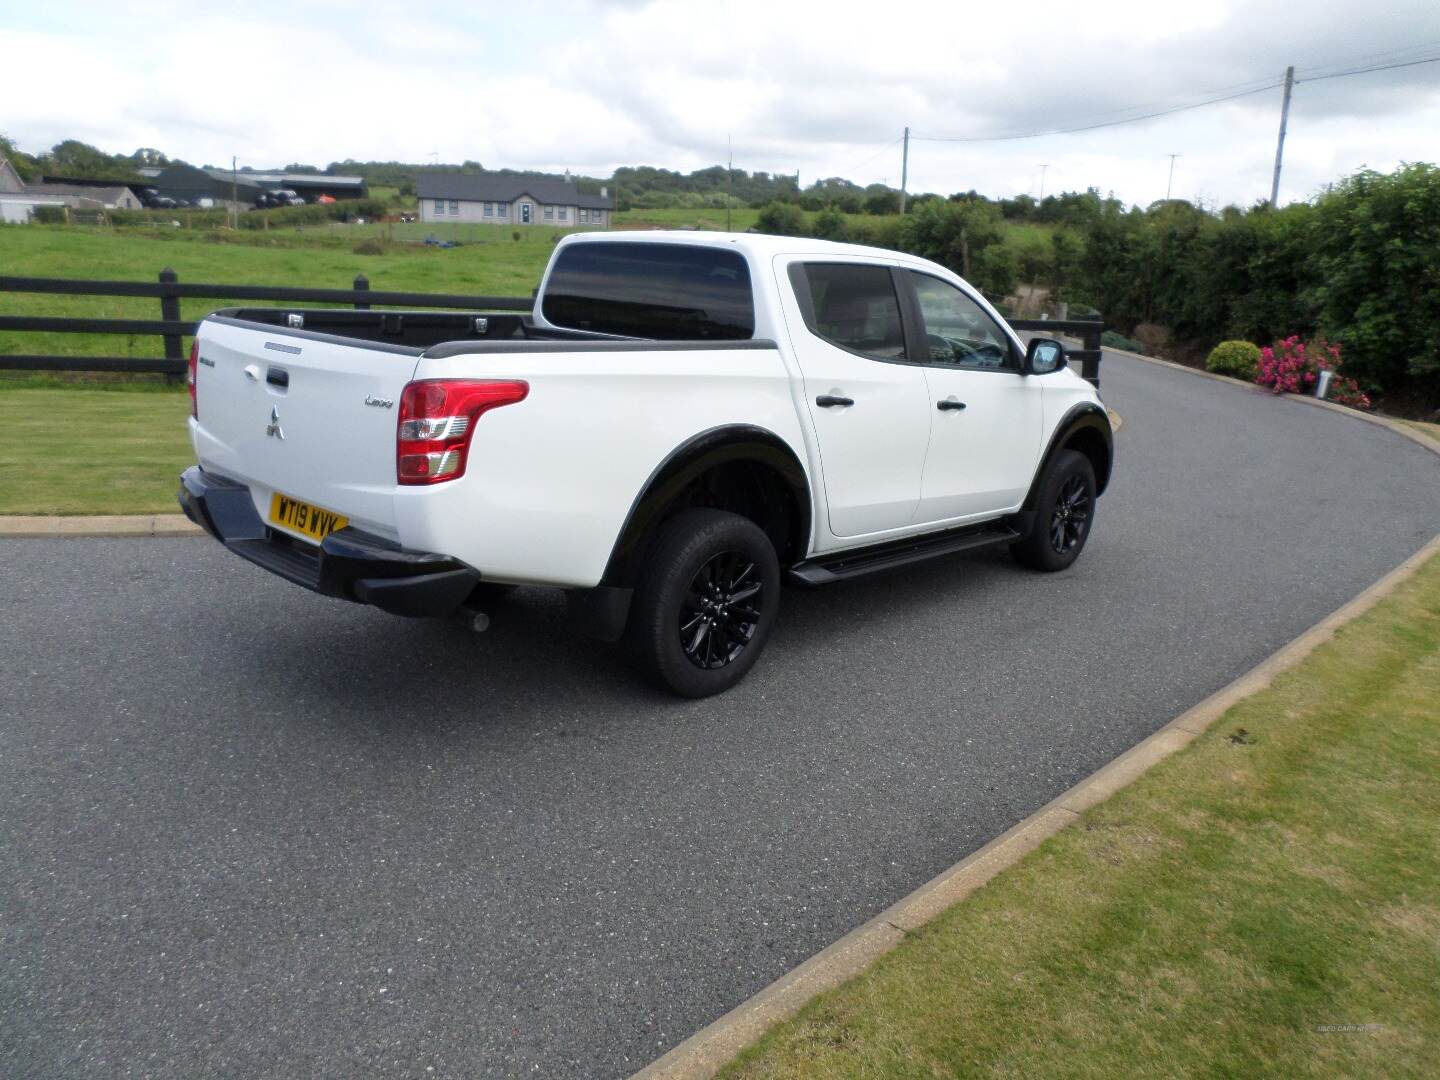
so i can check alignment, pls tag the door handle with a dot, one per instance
(829, 401)
(948, 404)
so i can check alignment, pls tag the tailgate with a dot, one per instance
(309, 415)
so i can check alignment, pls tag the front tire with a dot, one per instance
(1065, 512)
(706, 605)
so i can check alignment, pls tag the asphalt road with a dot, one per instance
(248, 831)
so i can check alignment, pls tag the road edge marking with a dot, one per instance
(46, 525)
(703, 1054)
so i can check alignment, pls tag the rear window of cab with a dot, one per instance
(668, 292)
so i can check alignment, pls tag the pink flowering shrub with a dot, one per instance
(1293, 366)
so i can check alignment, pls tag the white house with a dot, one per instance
(491, 199)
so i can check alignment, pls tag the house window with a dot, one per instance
(454, 207)
(584, 215)
(439, 206)
(564, 210)
(502, 209)
(549, 212)
(489, 209)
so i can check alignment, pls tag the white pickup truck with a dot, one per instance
(684, 421)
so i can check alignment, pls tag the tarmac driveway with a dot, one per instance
(248, 831)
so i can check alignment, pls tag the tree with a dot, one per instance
(75, 158)
(829, 224)
(781, 219)
(1376, 247)
(23, 163)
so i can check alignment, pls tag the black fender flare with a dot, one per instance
(1086, 416)
(697, 455)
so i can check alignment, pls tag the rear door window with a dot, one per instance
(853, 305)
(666, 292)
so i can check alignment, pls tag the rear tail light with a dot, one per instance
(437, 419)
(190, 377)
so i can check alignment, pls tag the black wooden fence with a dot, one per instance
(171, 328)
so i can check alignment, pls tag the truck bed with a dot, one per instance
(411, 330)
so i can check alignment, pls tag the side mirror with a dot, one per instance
(1043, 356)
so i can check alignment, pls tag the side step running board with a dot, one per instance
(848, 565)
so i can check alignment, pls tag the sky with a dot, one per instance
(822, 88)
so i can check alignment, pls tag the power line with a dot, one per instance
(1363, 70)
(849, 169)
(1093, 127)
(1387, 55)
(1185, 107)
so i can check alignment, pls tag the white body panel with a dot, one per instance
(337, 452)
(981, 458)
(550, 481)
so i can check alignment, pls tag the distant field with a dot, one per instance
(315, 257)
(708, 219)
(489, 261)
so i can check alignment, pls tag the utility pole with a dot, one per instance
(1171, 180)
(904, 170)
(234, 194)
(729, 179)
(1280, 143)
(1042, 181)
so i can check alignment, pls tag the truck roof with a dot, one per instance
(758, 244)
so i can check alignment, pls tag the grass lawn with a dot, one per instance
(491, 263)
(1266, 902)
(69, 451)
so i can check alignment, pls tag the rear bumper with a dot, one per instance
(349, 564)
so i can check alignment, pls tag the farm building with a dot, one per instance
(493, 199)
(188, 183)
(18, 199)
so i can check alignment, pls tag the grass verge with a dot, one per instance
(69, 451)
(1265, 902)
(1427, 429)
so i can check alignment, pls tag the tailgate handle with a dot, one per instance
(278, 377)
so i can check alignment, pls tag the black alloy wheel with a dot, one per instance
(1064, 503)
(721, 610)
(1071, 516)
(705, 603)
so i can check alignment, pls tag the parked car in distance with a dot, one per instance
(682, 423)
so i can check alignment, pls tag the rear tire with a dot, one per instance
(704, 609)
(1065, 512)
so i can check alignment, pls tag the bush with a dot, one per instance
(313, 213)
(829, 224)
(48, 215)
(1240, 359)
(1113, 339)
(781, 219)
(1293, 366)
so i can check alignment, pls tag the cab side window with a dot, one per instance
(958, 332)
(855, 307)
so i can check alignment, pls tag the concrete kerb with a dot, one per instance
(99, 525)
(706, 1052)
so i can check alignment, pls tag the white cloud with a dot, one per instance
(818, 87)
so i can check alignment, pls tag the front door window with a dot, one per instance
(525, 213)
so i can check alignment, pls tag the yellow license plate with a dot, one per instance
(304, 518)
